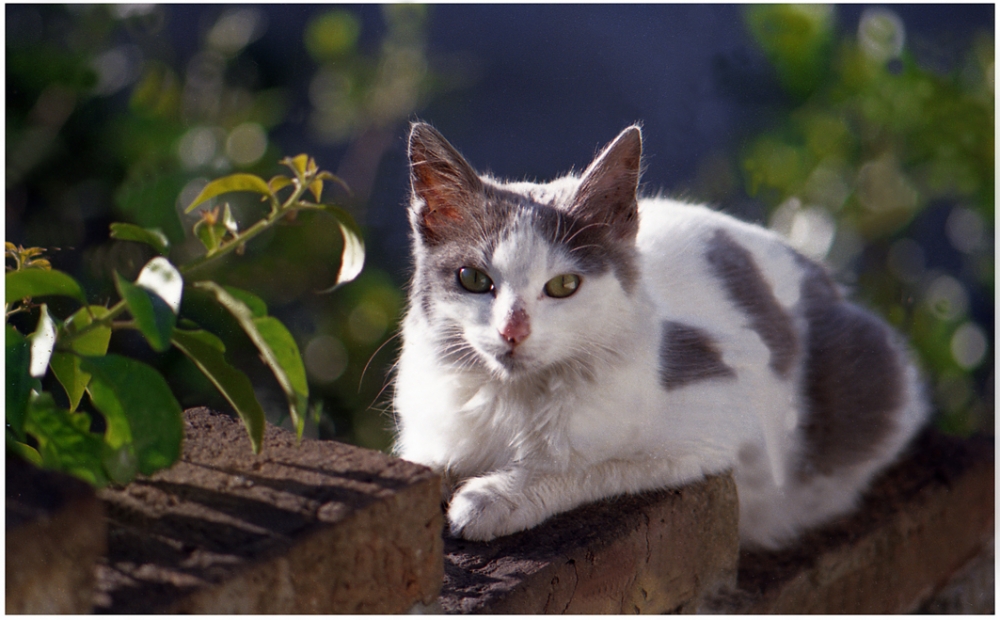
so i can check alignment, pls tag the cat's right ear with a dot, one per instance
(445, 187)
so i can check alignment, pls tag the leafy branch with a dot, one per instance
(142, 418)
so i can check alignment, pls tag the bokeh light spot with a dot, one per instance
(236, 29)
(968, 345)
(246, 144)
(325, 358)
(332, 34)
(197, 147)
(367, 322)
(946, 298)
(881, 34)
(964, 229)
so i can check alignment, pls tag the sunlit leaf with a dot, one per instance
(276, 346)
(298, 164)
(278, 182)
(161, 277)
(316, 187)
(352, 258)
(142, 396)
(153, 317)
(64, 441)
(228, 221)
(206, 351)
(43, 343)
(150, 236)
(240, 182)
(40, 282)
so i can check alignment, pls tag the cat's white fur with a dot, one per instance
(525, 445)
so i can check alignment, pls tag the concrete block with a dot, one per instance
(55, 533)
(649, 553)
(320, 527)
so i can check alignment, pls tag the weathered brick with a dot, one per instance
(648, 553)
(320, 527)
(922, 521)
(971, 590)
(55, 533)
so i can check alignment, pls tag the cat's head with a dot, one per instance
(516, 278)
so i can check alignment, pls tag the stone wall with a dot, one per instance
(323, 527)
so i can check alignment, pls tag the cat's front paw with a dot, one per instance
(484, 508)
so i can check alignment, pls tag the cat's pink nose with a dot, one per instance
(517, 329)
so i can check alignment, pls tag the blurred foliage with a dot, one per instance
(108, 121)
(877, 156)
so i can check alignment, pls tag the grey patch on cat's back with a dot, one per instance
(853, 379)
(746, 287)
(689, 355)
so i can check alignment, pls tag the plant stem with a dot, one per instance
(249, 233)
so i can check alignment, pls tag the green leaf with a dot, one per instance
(150, 236)
(206, 351)
(152, 315)
(352, 258)
(64, 441)
(276, 346)
(210, 235)
(329, 176)
(19, 380)
(257, 306)
(126, 389)
(278, 182)
(94, 342)
(66, 366)
(41, 282)
(23, 450)
(286, 351)
(316, 187)
(121, 463)
(240, 182)
(300, 164)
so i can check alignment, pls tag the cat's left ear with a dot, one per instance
(607, 193)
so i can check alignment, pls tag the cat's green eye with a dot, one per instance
(474, 281)
(562, 286)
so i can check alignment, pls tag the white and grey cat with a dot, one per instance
(569, 341)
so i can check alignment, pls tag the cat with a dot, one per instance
(570, 341)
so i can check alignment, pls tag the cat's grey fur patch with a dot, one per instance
(852, 382)
(689, 355)
(745, 284)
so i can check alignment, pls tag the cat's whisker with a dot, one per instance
(583, 229)
(395, 335)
